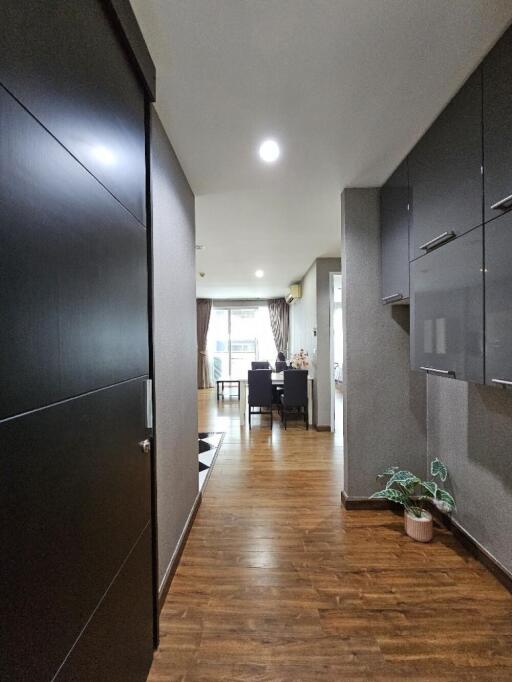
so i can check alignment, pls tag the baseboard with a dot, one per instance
(354, 503)
(322, 428)
(175, 560)
(473, 547)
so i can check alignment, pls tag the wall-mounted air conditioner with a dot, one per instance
(294, 292)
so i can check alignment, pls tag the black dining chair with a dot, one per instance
(281, 366)
(260, 365)
(260, 392)
(295, 395)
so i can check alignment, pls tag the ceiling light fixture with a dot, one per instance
(259, 273)
(269, 151)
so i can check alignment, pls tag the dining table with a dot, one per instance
(277, 380)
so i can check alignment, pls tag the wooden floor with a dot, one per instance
(278, 582)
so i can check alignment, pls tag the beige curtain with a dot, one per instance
(204, 309)
(279, 321)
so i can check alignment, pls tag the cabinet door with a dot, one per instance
(394, 217)
(447, 309)
(497, 125)
(445, 171)
(498, 296)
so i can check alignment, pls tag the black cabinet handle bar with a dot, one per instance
(437, 241)
(502, 203)
(392, 298)
(501, 382)
(442, 372)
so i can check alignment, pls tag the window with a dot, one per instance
(236, 337)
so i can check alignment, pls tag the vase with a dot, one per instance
(420, 528)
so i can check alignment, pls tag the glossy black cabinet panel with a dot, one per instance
(63, 61)
(121, 626)
(498, 299)
(447, 308)
(445, 170)
(73, 273)
(74, 500)
(497, 86)
(394, 220)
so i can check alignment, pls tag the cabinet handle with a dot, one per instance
(392, 298)
(501, 382)
(442, 372)
(502, 203)
(437, 241)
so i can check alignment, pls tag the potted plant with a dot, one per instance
(404, 488)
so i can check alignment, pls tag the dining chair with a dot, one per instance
(281, 366)
(260, 365)
(260, 392)
(295, 394)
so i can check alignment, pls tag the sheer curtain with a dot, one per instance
(204, 309)
(279, 321)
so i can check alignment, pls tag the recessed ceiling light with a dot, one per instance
(259, 273)
(269, 151)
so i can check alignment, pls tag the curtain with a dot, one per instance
(204, 309)
(279, 321)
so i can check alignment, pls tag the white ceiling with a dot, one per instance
(346, 87)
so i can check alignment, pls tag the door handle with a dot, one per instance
(504, 203)
(437, 241)
(392, 298)
(145, 446)
(501, 382)
(441, 372)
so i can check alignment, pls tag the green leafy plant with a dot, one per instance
(404, 488)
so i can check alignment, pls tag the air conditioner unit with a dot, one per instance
(294, 292)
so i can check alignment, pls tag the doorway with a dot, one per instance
(336, 338)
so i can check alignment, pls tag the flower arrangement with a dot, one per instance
(300, 360)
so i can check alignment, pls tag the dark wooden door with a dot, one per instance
(497, 122)
(445, 171)
(75, 486)
(394, 215)
(447, 309)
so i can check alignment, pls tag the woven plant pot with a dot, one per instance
(419, 529)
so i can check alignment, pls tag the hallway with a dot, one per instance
(278, 582)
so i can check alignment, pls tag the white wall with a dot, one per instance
(303, 318)
(175, 345)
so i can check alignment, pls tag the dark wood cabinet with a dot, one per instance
(445, 172)
(447, 309)
(394, 220)
(497, 127)
(498, 301)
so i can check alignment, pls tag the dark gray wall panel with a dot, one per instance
(175, 345)
(74, 275)
(116, 645)
(77, 497)
(447, 308)
(71, 71)
(394, 220)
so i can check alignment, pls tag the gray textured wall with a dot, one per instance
(175, 344)
(384, 415)
(323, 374)
(470, 428)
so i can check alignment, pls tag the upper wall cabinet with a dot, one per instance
(445, 172)
(394, 217)
(498, 295)
(447, 309)
(497, 87)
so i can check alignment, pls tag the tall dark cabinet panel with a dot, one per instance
(445, 172)
(76, 571)
(394, 216)
(497, 88)
(447, 309)
(498, 301)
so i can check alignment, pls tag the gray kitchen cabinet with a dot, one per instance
(445, 172)
(497, 127)
(498, 299)
(394, 217)
(447, 309)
